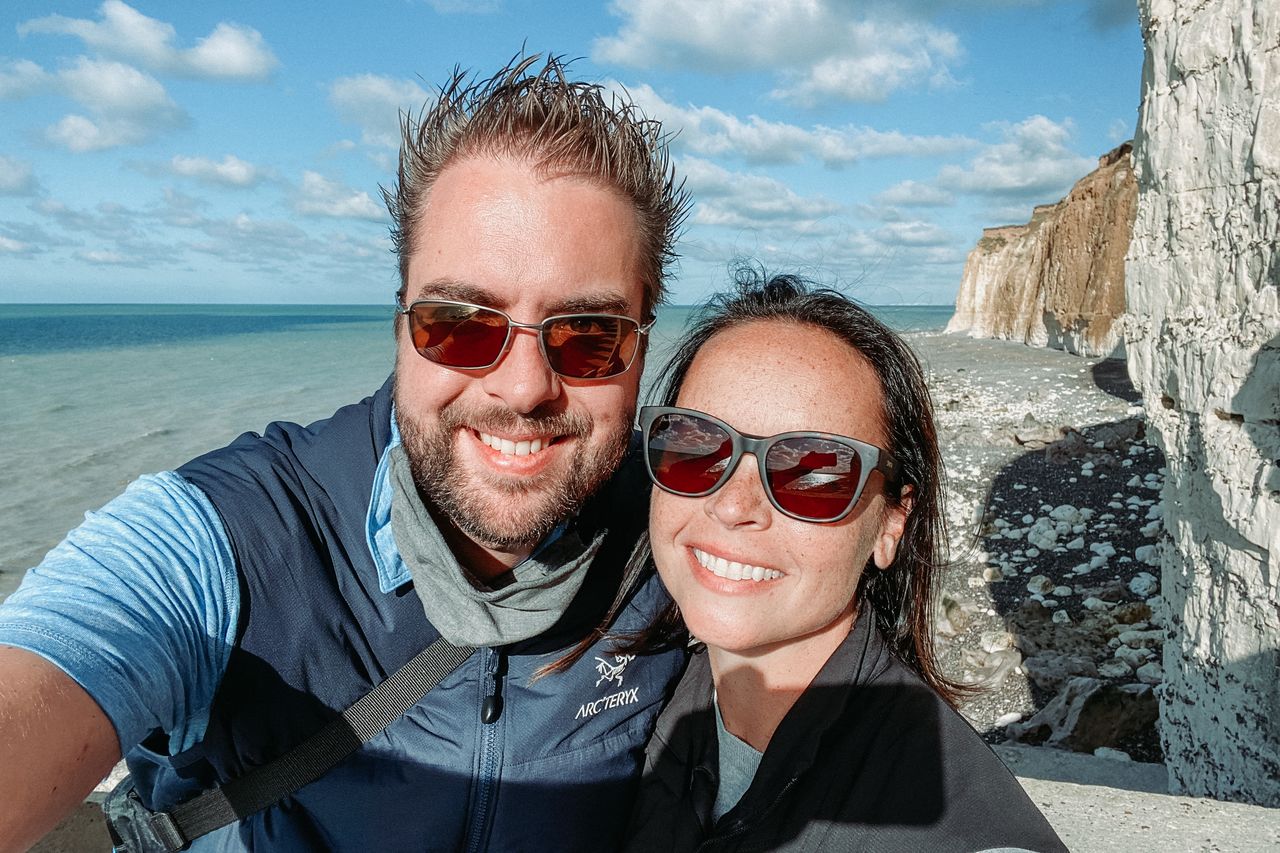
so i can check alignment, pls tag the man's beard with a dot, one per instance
(500, 512)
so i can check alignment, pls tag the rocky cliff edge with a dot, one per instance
(1057, 281)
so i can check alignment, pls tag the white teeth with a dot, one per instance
(734, 571)
(514, 448)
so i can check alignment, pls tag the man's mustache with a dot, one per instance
(497, 419)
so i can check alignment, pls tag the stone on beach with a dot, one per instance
(1144, 584)
(1089, 713)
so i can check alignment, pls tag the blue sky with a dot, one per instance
(232, 152)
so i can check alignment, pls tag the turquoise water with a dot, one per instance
(91, 396)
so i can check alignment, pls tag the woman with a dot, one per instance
(796, 524)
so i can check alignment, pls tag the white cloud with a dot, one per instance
(711, 132)
(1031, 162)
(232, 171)
(22, 79)
(915, 194)
(820, 49)
(16, 177)
(230, 52)
(104, 257)
(181, 210)
(914, 233)
(27, 239)
(881, 57)
(106, 221)
(127, 106)
(79, 134)
(740, 200)
(319, 196)
(374, 103)
(267, 245)
(112, 87)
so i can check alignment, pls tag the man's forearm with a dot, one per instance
(55, 745)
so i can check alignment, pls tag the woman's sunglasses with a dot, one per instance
(810, 476)
(472, 337)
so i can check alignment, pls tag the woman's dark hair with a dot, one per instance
(902, 596)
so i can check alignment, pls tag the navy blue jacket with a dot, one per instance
(556, 771)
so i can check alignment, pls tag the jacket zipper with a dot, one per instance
(741, 826)
(490, 748)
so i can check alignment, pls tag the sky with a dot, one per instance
(234, 151)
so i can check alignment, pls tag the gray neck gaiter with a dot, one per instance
(464, 614)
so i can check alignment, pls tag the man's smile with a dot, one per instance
(515, 447)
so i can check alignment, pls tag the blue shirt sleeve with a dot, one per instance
(139, 605)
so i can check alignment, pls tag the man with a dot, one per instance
(210, 619)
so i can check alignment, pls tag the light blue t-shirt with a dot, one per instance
(139, 604)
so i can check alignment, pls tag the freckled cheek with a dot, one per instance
(833, 563)
(665, 522)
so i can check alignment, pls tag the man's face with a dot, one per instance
(508, 452)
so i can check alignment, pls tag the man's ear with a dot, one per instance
(892, 525)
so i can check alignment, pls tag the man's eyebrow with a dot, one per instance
(592, 303)
(456, 291)
(606, 302)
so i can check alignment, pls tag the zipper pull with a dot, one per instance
(491, 708)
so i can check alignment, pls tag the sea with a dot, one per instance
(91, 396)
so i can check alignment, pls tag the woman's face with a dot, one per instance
(764, 378)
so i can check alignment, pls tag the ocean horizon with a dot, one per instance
(92, 396)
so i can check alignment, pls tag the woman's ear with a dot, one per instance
(892, 525)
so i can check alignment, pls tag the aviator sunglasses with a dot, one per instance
(473, 337)
(810, 476)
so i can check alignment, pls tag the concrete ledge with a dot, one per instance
(1110, 806)
(1057, 765)
(84, 831)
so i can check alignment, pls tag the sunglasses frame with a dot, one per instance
(871, 457)
(642, 329)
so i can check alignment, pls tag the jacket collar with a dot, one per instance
(692, 756)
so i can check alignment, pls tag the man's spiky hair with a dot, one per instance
(558, 126)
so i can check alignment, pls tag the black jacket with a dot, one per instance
(869, 758)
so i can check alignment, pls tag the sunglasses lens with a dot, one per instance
(457, 335)
(813, 478)
(687, 455)
(590, 346)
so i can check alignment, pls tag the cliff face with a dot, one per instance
(1057, 281)
(1203, 338)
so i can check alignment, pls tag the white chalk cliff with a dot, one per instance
(1203, 341)
(1057, 281)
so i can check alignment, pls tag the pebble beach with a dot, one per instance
(1051, 606)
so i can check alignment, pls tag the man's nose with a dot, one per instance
(522, 379)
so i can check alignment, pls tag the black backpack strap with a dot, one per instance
(306, 762)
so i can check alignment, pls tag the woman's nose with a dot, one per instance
(741, 502)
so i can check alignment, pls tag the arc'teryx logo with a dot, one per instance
(612, 671)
